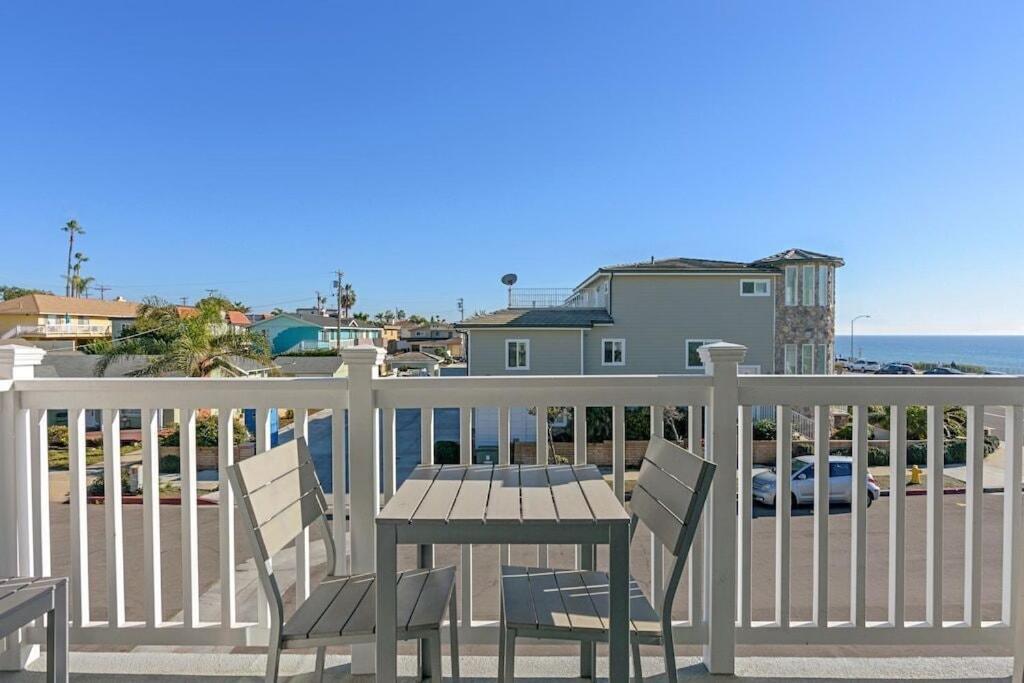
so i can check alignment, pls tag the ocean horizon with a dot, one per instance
(1000, 353)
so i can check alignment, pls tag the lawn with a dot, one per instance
(93, 454)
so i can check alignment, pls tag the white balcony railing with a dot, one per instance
(320, 344)
(59, 330)
(532, 297)
(719, 613)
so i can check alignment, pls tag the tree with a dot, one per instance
(194, 346)
(347, 298)
(8, 292)
(72, 228)
(77, 285)
(417, 319)
(954, 421)
(239, 306)
(362, 317)
(400, 314)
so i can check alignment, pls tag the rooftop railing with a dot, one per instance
(529, 297)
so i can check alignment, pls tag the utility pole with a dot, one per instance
(103, 289)
(184, 301)
(462, 311)
(337, 289)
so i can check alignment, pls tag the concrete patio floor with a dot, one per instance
(171, 667)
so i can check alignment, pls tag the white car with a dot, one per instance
(864, 366)
(840, 482)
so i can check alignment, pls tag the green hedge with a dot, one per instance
(917, 453)
(206, 432)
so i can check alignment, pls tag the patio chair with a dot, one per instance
(280, 496)
(570, 604)
(25, 599)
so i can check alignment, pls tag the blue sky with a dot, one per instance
(427, 148)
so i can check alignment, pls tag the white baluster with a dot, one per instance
(300, 428)
(151, 517)
(746, 458)
(935, 485)
(79, 518)
(822, 499)
(897, 513)
(189, 519)
(783, 497)
(226, 514)
(112, 508)
(466, 458)
(858, 526)
(972, 525)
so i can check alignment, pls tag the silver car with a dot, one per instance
(840, 482)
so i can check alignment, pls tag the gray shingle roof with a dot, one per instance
(695, 265)
(540, 317)
(799, 255)
(63, 364)
(414, 357)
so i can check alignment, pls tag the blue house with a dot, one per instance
(289, 332)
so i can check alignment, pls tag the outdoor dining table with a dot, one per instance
(504, 504)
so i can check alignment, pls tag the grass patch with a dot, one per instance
(58, 457)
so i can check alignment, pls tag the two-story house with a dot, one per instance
(652, 317)
(45, 317)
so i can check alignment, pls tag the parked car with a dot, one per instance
(943, 371)
(897, 369)
(856, 366)
(840, 482)
(872, 366)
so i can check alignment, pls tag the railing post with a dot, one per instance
(16, 504)
(364, 465)
(720, 362)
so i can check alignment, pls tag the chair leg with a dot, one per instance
(670, 655)
(321, 656)
(273, 661)
(509, 670)
(501, 644)
(638, 670)
(453, 641)
(57, 635)
(436, 673)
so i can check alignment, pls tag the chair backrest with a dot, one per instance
(279, 495)
(669, 499)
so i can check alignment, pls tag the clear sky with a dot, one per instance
(427, 148)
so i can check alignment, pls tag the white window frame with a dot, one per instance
(767, 287)
(792, 285)
(790, 359)
(823, 289)
(822, 359)
(807, 285)
(526, 345)
(621, 343)
(807, 359)
(686, 352)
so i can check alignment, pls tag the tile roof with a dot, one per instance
(62, 305)
(233, 317)
(539, 317)
(799, 255)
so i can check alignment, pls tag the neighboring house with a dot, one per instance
(290, 332)
(235, 321)
(438, 347)
(416, 362)
(651, 317)
(75, 320)
(311, 366)
(431, 338)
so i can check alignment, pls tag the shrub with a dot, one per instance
(170, 464)
(98, 486)
(206, 432)
(845, 433)
(446, 453)
(764, 430)
(57, 436)
(917, 453)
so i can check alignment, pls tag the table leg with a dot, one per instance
(424, 559)
(59, 641)
(618, 578)
(387, 604)
(588, 653)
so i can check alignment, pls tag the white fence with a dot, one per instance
(719, 614)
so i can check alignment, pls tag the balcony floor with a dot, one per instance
(169, 667)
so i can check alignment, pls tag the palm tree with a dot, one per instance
(347, 298)
(400, 314)
(77, 283)
(195, 346)
(72, 228)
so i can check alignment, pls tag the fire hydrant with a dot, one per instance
(915, 475)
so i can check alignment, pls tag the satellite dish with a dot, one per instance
(509, 279)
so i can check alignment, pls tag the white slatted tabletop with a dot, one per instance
(499, 504)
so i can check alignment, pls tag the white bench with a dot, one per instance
(25, 599)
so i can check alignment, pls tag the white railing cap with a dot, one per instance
(17, 362)
(362, 355)
(722, 352)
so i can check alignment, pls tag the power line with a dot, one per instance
(103, 289)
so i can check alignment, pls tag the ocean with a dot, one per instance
(1003, 353)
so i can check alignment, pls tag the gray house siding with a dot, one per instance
(552, 352)
(656, 314)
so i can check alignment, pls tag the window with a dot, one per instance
(755, 288)
(790, 285)
(807, 359)
(790, 359)
(613, 352)
(693, 361)
(840, 469)
(517, 354)
(823, 285)
(821, 360)
(807, 286)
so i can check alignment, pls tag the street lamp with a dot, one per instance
(855, 319)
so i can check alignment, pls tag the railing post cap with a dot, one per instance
(722, 352)
(363, 355)
(17, 361)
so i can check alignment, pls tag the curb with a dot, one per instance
(137, 500)
(948, 492)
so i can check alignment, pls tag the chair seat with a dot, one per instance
(569, 601)
(23, 599)
(346, 606)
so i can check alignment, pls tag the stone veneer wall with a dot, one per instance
(802, 324)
